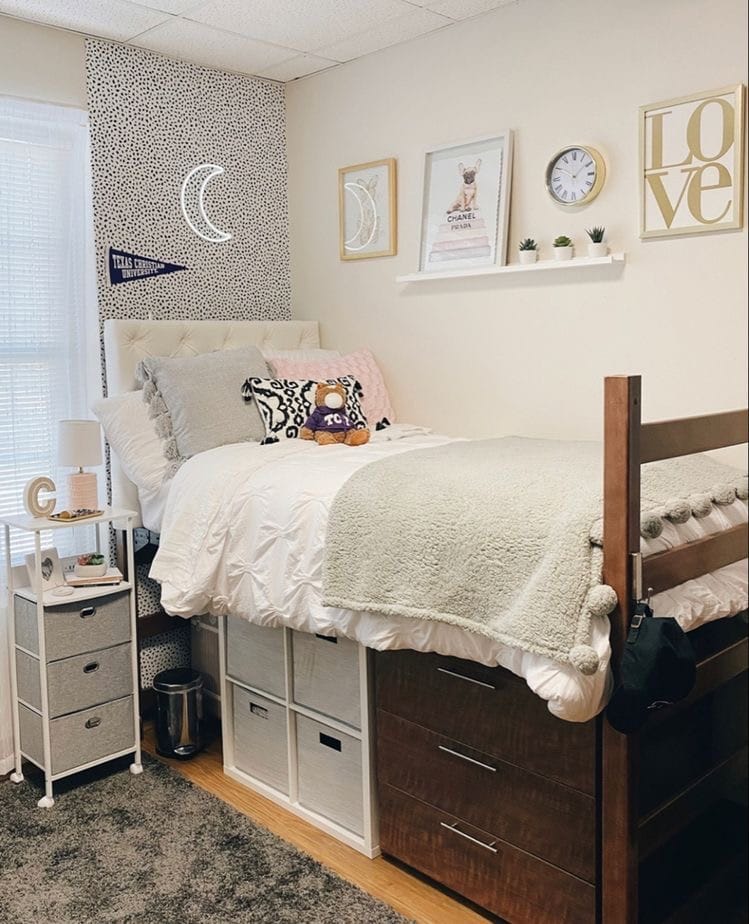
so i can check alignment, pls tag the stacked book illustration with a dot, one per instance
(462, 236)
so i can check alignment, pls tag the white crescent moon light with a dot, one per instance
(191, 200)
(367, 210)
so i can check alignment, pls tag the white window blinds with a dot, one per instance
(48, 329)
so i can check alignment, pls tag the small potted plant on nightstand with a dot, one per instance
(563, 247)
(527, 251)
(597, 247)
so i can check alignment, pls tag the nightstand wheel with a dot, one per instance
(136, 769)
(46, 802)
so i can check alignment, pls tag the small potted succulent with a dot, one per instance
(563, 247)
(92, 565)
(597, 247)
(527, 251)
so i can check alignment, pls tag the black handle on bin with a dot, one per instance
(88, 611)
(91, 667)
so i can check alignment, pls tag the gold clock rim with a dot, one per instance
(598, 160)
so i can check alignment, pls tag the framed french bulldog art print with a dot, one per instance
(367, 211)
(466, 204)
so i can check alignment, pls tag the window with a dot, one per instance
(49, 354)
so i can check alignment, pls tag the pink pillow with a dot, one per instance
(361, 364)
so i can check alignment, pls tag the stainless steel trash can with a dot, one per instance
(179, 712)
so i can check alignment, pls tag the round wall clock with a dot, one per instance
(575, 175)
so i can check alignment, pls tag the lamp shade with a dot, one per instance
(79, 443)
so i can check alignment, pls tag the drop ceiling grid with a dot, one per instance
(277, 39)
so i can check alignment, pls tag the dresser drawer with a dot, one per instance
(80, 738)
(78, 682)
(330, 773)
(488, 709)
(74, 628)
(545, 818)
(255, 656)
(326, 676)
(260, 738)
(479, 866)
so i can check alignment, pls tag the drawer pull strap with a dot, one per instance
(327, 638)
(87, 612)
(94, 722)
(474, 840)
(91, 667)
(479, 683)
(330, 742)
(441, 747)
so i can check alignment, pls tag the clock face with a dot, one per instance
(575, 176)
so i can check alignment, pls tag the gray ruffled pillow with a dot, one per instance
(196, 402)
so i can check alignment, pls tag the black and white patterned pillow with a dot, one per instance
(285, 404)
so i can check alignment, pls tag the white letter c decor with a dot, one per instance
(193, 208)
(31, 502)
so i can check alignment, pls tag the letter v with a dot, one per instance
(661, 196)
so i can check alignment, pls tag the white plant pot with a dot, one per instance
(527, 256)
(598, 250)
(86, 571)
(563, 253)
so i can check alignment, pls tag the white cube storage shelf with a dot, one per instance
(296, 712)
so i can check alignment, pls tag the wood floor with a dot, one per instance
(413, 897)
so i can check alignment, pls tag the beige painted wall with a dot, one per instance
(42, 64)
(527, 355)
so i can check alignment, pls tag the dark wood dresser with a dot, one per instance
(483, 790)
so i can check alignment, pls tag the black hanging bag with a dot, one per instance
(658, 668)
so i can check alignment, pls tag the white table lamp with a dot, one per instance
(79, 444)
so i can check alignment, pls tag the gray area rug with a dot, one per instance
(155, 848)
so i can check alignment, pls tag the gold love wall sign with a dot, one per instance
(691, 164)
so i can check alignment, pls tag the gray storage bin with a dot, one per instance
(255, 656)
(330, 773)
(78, 682)
(260, 738)
(74, 628)
(326, 676)
(80, 738)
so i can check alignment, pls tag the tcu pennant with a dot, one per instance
(126, 267)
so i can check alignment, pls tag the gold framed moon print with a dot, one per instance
(692, 164)
(575, 175)
(367, 210)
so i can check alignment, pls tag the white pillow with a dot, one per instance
(311, 355)
(133, 438)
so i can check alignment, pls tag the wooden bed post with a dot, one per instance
(619, 753)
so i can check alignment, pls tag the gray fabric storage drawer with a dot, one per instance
(74, 628)
(82, 737)
(326, 676)
(260, 738)
(330, 773)
(255, 656)
(78, 682)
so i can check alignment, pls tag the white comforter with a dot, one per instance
(243, 534)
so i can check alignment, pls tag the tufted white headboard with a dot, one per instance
(126, 343)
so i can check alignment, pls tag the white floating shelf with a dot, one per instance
(540, 266)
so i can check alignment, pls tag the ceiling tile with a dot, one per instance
(176, 7)
(106, 18)
(304, 25)
(391, 32)
(299, 66)
(464, 9)
(201, 44)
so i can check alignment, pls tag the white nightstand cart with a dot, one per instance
(73, 663)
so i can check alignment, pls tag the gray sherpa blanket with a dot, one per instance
(498, 537)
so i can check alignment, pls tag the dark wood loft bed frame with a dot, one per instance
(628, 443)
(558, 822)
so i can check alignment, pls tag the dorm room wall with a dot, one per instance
(526, 354)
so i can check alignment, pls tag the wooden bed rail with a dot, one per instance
(667, 439)
(686, 562)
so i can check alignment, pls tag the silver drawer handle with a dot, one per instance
(94, 722)
(441, 747)
(88, 611)
(91, 667)
(474, 840)
(479, 683)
